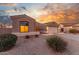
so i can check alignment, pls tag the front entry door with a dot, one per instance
(24, 26)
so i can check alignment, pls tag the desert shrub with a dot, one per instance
(57, 43)
(7, 41)
(73, 31)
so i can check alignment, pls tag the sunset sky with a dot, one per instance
(43, 12)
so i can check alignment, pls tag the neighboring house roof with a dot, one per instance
(52, 24)
(68, 24)
(76, 25)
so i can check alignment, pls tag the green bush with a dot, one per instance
(73, 31)
(57, 43)
(7, 41)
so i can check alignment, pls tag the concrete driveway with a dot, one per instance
(73, 42)
(32, 46)
(38, 46)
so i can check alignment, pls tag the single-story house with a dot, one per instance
(68, 26)
(20, 24)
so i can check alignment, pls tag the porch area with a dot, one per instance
(27, 33)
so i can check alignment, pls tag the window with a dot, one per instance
(24, 26)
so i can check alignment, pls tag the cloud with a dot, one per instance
(62, 12)
(8, 4)
(8, 11)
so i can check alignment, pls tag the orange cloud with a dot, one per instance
(57, 17)
(7, 4)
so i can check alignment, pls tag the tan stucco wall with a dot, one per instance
(16, 25)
